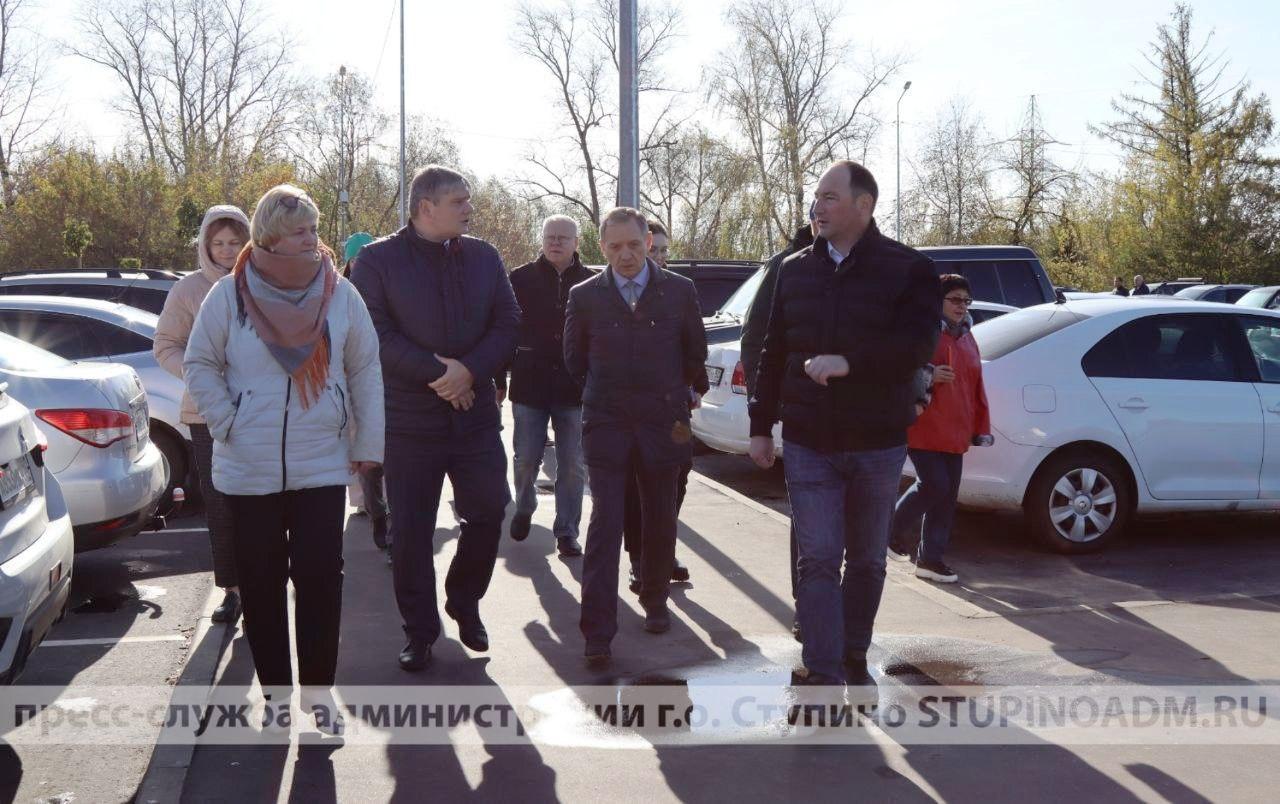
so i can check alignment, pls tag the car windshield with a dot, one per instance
(18, 355)
(1256, 298)
(1000, 336)
(740, 301)
(1193, 292)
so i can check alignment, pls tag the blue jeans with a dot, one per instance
(841, 507)
(530, 439)
(933, 497)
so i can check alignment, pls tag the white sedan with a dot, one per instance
(105, 331)
(722, 422)
(35, 539)
(96, 428)
(1103, 408)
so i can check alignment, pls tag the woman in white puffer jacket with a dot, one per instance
(283, 364)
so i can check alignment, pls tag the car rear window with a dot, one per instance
(1256, 298)
(740, 302)
(18, 355)
(1008, 333)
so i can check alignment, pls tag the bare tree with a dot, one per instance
(205, 82)
(579, 49)
(785, 83)
(953, 172)
(1038, 181)
(22, 86)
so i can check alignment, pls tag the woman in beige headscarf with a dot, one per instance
(223, 233)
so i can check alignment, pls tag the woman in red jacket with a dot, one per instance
(956, 419)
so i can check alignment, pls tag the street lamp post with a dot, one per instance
(342, 192)
(897, 207)
(628, 107)
(404, 200)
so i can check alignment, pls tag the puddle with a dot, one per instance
(751, 699)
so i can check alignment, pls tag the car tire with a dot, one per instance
(1079, 502)
(175, 454)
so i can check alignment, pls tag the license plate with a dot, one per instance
(141, 423)
(16, 481)
(55, 575)
(714, 375)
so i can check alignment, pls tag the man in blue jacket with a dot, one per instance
(447, 321)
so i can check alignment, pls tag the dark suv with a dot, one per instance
(1010, 275)
(145, 289)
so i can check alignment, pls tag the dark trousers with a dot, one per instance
(633, 521)
(374, 492)
(932, 498)
(217, 513)
(416, 467)
(604, 541)
(291, 536)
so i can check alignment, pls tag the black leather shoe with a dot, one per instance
(633, 579)
(679, 572)
(228, 611)
(657, 620)
(415, 656)
(597, 653)
(380, 533)
(569, 547)
(855, 670)
(470, 629)
(520, 524)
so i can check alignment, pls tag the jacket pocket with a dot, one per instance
(235, 414)
(338, 398)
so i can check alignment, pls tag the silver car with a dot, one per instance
(95, 419)
(35, 538)
(103, 331)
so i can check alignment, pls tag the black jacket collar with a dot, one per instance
(866, 244)
(575, 268)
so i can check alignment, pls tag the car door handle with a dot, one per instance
(1134, 403)
(1275, 408)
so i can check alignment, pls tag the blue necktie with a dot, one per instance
(633, 293)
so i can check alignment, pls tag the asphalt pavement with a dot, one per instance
(1184, 602)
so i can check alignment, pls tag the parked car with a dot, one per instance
(96, 424)
(1267, 298)
(145, 289)
(715, 280)
(726, 324)
(36, 545)
(1011, 275)
(1107, 408)
(722, 422)
(1226, 294)
(89, 330)
(1171, 287)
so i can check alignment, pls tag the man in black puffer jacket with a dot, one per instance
(854, 318)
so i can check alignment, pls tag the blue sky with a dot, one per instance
(1074, 56)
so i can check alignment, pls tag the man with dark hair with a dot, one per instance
(634, 339)
(542, 391)
(661, 248)
(447, 322)
(854, 318)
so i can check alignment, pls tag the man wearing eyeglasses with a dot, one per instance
(854, 318)
(542, 390)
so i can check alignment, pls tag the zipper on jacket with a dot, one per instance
(284, 437)
(235, 414)
(342, 399)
